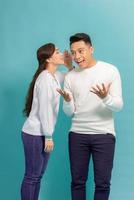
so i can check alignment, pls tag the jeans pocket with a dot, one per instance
(111, 136)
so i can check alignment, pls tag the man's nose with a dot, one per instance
(77, 56)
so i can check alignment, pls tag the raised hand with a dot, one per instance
(101, 91)
(68, 60)
(65, 95)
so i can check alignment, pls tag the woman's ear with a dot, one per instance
(48, 60)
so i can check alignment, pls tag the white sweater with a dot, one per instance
(91, 114)
(45, 105)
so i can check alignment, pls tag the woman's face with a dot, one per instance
(57, 58)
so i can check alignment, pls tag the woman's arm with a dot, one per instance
(46, 108)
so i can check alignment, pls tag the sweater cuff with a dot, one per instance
(47, 137)
(68, 103)
(106, 99)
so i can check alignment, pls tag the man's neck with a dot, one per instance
(92, 63)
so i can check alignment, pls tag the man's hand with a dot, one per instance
(65, 95)
(68, 60)
(101, 91)
(49, 145)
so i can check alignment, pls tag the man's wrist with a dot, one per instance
(105, 99)
(71, 68)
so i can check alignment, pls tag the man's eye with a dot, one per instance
(81, 51)
(73, 53)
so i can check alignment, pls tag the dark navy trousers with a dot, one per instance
(81, 147)
(35, 164)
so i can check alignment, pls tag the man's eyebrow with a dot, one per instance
(78, 49)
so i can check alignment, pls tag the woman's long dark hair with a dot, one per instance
(43, 53)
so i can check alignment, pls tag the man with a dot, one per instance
(92, 93)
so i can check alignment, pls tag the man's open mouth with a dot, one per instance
(80, 62)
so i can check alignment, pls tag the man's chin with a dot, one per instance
(82, 66)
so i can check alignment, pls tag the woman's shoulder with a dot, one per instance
(43, 77)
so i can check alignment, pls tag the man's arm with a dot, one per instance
(114, 100)
(111, 95)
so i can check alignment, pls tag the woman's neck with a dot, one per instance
(52, 68)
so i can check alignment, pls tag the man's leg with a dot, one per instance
(103, 154)
(79, 152)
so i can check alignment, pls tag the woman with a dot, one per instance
(41, 109)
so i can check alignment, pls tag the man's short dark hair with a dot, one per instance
(80, 36)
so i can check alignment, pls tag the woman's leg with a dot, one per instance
(35, 164)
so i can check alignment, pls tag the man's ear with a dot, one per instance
(92, 50)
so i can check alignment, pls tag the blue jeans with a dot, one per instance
(35, 164)
(81, 148)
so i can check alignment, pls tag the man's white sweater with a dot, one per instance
(91, 114)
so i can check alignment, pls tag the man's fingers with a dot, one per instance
(63, 93)
(60, 92)
(66, 94)
(103, 87)
(108, 86)
(100, 91)
(95, 90)
(98, 87)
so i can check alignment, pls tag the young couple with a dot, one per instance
(92, 92)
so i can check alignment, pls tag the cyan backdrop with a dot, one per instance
(27, 24)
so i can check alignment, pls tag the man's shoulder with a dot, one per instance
(108, 66)
(72, 73)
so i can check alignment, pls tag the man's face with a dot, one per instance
(82, 53)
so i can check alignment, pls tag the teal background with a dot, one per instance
(26, 25)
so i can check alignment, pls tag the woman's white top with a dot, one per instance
(45, 105)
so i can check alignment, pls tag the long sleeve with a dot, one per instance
(68, 107)
(60, 76)
(46, 108)
(114, 100)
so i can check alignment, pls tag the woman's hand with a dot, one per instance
(102, 91)
(49, 145)
(68, 60)
(65, 95)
